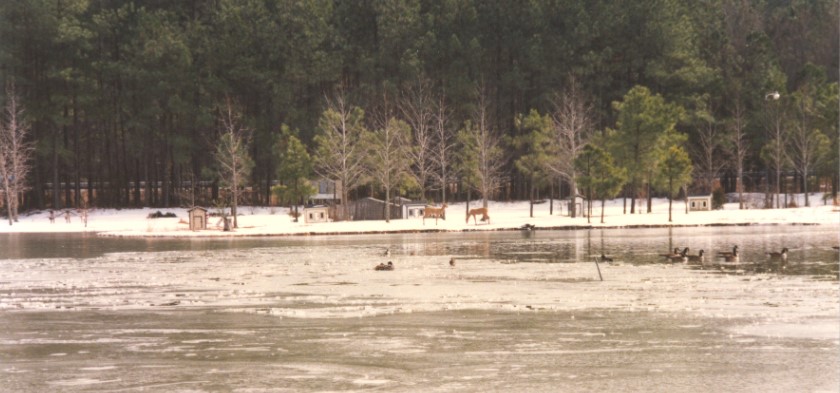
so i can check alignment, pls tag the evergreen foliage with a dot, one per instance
(599, 177)
(294, 171)
(674, 172)
(535, 141)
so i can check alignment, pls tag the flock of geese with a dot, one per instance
(675, 256)
(727, 256)
(731, 256)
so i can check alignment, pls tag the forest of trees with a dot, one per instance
(428, 99)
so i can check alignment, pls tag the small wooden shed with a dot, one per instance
(699, 203)
(198, 218)
(411, 209)
(317, 213)
(369, 208)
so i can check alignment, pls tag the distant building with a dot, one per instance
(198, 218)
(327, 192)
(412, 209)
(374, 209)
(700, 203)
(318, 213)
(371, 209)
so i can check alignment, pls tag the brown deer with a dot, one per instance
(436, 212)
(475, 212)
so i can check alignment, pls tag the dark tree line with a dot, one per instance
(126, 96)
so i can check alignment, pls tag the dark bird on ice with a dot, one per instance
(699, 258)
(680, 257)
(730, 256)
(674, 253)
(779, 256)
(382, 266)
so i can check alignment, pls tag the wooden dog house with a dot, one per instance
(198, 218)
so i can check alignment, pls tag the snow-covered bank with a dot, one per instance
(277, 221)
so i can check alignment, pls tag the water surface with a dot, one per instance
(520, 311)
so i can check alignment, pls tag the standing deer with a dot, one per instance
(436, 212)
(475, 212)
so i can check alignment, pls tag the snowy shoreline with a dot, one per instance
(501, 229)
(505, 216)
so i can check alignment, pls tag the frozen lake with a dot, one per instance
(518, 312)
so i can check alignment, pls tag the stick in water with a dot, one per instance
(599, 269)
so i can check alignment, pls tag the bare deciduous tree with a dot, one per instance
(807, 144)
(388, 157)
(443, 143)
(705, 151)
(739, 146)
(15, 153)
(482, 157)
(572, 118)
(232, 154)
(773, 152)
(339, 156)
(417, 109)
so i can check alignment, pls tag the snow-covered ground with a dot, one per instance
(261, 221)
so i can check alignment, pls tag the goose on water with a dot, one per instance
(779, 256)
(730, 256)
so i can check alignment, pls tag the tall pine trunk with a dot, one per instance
(531, 200)
(602, 209)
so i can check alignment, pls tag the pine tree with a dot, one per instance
(674, 171)
(599, 177)
(643, 118)
(535, 140)
(293, 171)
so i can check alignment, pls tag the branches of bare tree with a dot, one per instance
(572, 118)
(388, 156)
(15, 153)
(339, 155)
(482, 158)
(232, 154)
(739, 147)
(807, 143)
(774, 151)
(417, 108)
(443, 144)
(705, 152)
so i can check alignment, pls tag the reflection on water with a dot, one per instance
(89, 245)
(811, 251)
(810, 247)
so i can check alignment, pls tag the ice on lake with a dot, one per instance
(517, 312)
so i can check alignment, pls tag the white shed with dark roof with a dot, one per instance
(700, 203)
